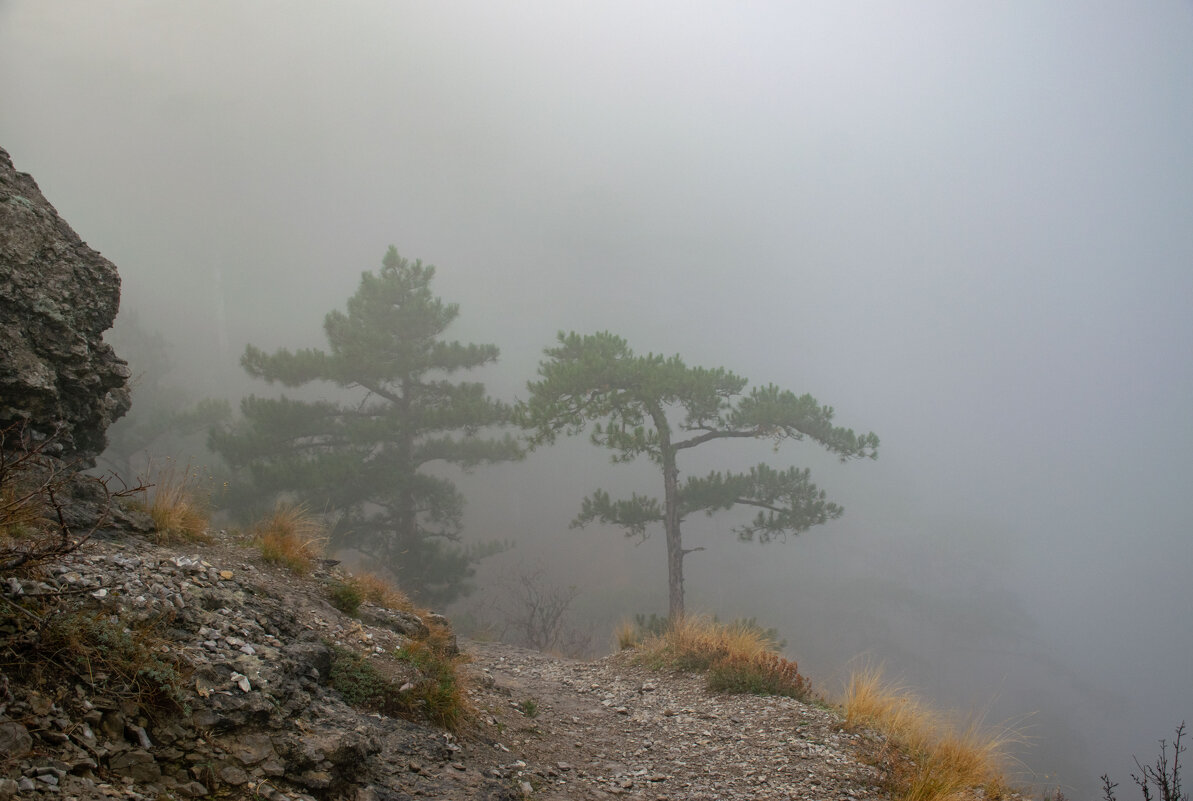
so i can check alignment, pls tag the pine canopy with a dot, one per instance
(656, 406)
(367, 456)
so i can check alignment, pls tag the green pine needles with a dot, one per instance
(659, 407)
(364, 455)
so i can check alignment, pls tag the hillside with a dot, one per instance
(254, 713)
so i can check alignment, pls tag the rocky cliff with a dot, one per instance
(57, 297)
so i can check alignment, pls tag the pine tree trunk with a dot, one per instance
(675, 551)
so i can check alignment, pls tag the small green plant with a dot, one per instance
(762, 674)
(438, 695)
(529, 708)
(433, 693)
(345, 596)
(361, 684)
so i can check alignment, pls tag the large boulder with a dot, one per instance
(57, 297)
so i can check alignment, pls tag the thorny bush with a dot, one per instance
(33, 496)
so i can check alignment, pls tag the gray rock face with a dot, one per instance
(57, 297)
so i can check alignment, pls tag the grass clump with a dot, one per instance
(931, 759)
(179, 505)
(697, 641)
(438, 696)
(292, 537)
(379, 592)
(763, 674)
(345, 596)
(738, 657)
(130, 662)
(433, 692)
(627, 635)
(349, 594)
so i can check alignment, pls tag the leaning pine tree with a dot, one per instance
(364, 460)
(659, 408)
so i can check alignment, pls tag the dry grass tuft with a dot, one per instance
(627, 635)
(738, 657)
(941, 761)
(292, 536)
(697, 641)
(179, 505)
(380, 592)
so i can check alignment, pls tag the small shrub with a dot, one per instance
(345, 596)
(179, 505)
(762, 674)
(529, 708)
(291, 537)
(359, 681)
(34, 491)
(438, 696)
(1163, 777)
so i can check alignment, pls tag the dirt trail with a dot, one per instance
(590, 730)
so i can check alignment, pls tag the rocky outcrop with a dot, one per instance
(57, 297)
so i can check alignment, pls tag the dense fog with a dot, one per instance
(965, 227)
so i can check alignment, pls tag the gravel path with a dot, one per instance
(613, 728)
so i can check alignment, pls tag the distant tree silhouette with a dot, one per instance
(366, 460)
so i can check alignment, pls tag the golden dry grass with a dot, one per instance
(292, 536)
(179, 504)
(941, 761)
(627, 635)
(380, 592)
(697, 641)
(737, 657)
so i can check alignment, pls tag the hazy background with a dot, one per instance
(968, 227)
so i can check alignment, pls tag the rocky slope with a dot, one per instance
(260, 719)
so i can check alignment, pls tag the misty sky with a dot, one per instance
(968, 227)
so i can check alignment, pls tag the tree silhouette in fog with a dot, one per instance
(659, 407)
(369, 460)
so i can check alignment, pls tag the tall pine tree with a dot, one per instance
(659, 407)
(368, 459)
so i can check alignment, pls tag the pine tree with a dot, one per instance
(658, 407)
(367, 458)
